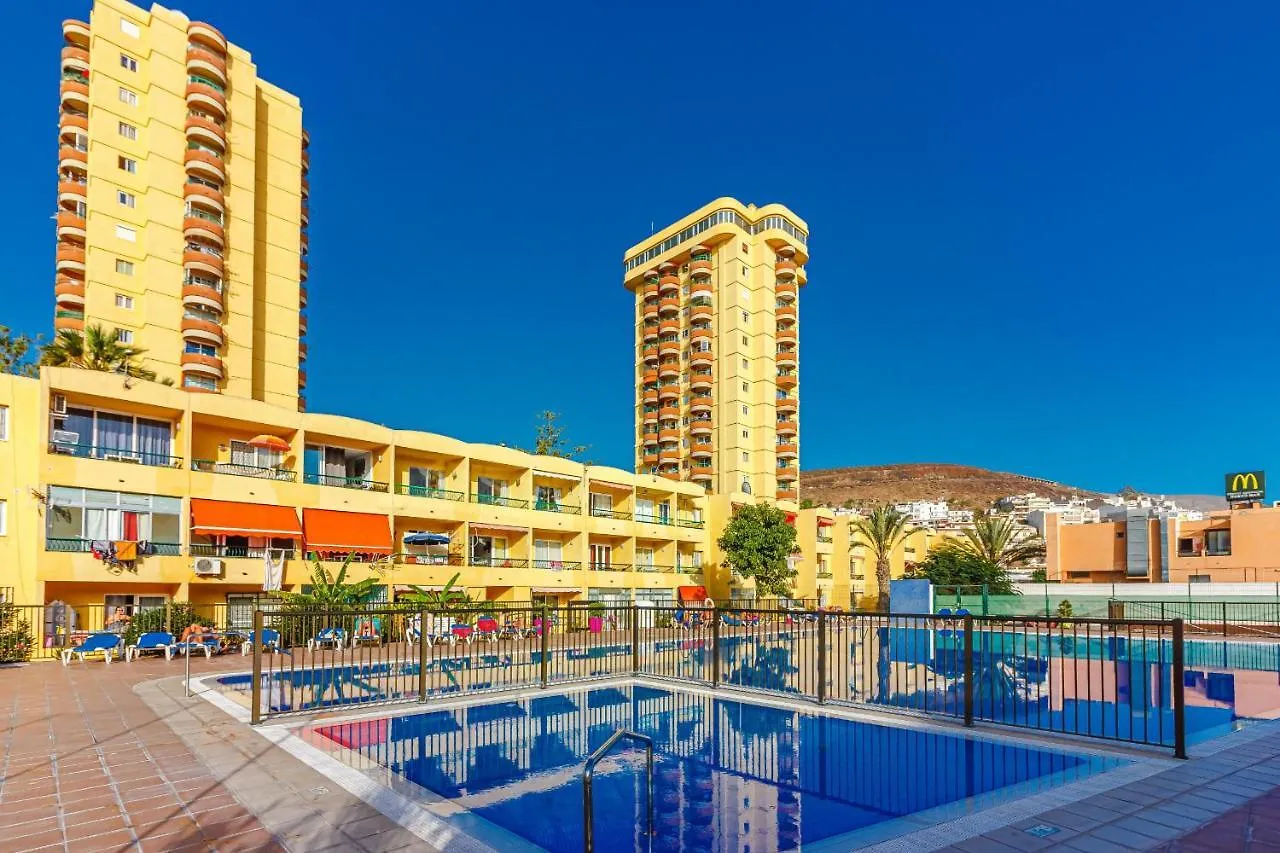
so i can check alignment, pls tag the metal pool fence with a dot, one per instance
(1117, 680)
(1225, 618)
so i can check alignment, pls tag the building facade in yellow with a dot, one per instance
(717, 332)
(182, 203)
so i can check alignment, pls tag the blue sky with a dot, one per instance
(1044, 235)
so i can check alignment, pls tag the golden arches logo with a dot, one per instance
(1241, 482)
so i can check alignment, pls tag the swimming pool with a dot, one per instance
(730, 774)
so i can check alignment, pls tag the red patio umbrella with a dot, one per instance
(270, 442)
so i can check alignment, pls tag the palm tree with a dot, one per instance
(96, 349)
(997, 540)
(881, 533)
(332, 590)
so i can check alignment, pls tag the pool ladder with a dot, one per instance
(588, 771)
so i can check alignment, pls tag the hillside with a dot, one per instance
(962, 485)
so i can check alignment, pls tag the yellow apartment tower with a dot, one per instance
(182, 203)
(717, 385)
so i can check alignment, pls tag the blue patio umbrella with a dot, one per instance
(426, 539)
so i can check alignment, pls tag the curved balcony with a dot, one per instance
(205, 164)
(194, 259)
(306, 139)
(202, 296)
(700, 312)
(700, 403)
(669, 370)
(306, 162)
(205, 97)
(650, 310)
(305, 214)
(302, 324)
(669, 434)
(784, 269)
(75, 32)
(700, 269)
(304, 242)
(75, 57)
(650, 290)
(69, 320)
(649, 333)
(305, 188)
(302, 379)
(302, 351)
(649, 396)
(699, 381)
(203, 229)
(787, 449)
(786, 358)
(205, 131)
(669, 348)
(669, 327)
(670, 473)
(786, 335)
(71, 193)
(669, 413)
(669, 454)
(650, 376)
(701, 451)
(303, 269)
(203, 61)
(71, 125)
(669, 392)
(208, 365)
(72, 159)
(785, 290)
(787, 494)
(70, 225)
(669, 306)
(75, 95)
(650, 356)
(70, 259)
(666, 284)
(649, 418)
(787, 427)
(700, 333)
(69, 292)
(650, 457)
(785, 313)
(207, 35)
(204, 331)
(700, 357)
(787, 404)
(201, 194)
(787, 380)
(700, 427)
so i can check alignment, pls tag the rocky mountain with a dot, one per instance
(961, 485)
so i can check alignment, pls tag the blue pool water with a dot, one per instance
(730, 774)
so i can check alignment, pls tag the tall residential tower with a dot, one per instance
(717, 388)
(182, 203)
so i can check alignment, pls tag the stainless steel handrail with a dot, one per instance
(588, 770)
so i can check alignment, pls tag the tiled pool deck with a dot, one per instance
(98, 758)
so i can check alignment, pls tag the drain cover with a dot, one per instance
(1041, 830)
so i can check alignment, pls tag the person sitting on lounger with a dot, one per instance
(193, 633)
(119, 622)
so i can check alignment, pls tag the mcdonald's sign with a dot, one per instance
(1246, 486)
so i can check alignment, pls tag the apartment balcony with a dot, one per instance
(69, 293)
(304, 269)
(72, 191)
(306, 139)
(669, 413)
(669, 434)
(788, 427)
(787, 449)
(669, 284)
(203, 226)
(201, 258)
(649, 417)
(650, 355)
(206, 97)
(786, 336)
(71, 320)
(785, 290)
(70, 226)
(700, 357)
(75, 92)
(787, 494)
(305, 188)
(205, 365)
(649, 377)
(302, 351)
(785, 473)
(75, 32)
(206, 130)
(701, 311)
(649, 333)
(358, 483)
(671, 472)
(207, 35)
(202, 295)
(650, 290)
(76, 58)
(701, 381)
(671, 391)
(302, 296)
(114, 454)
(700, 333)
(650, 310)
(72, 158)
(787, 380)
(784, 269)
(212, 196)
(668, 349)
(306, 161)
(786, 358)
(668, 454)
(302, 379)
(785, 314)
(69, 258)
(70, 125)
(206, 63)
(702, 473)
(499, 500)
(668, 308)
(649, 396)
(204, 331)
(650, 456)
(209, 466)
(700, 265)
(205, 164)
(701, 451)
(700, 403)
(304, 213)
(699, 426)
(669, 369)
(302, 324)
(787, 404)
(430, 492)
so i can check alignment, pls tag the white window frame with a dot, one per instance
(4, 518)
(128, 97)
(128, 63)
(127, 164)
(124, 232)
(126, 199)
(127, 267)
(4, 423)
(124, 336)
(128, 131)
(129, 28)
(124, 302)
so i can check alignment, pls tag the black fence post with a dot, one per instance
(1179, 685)
(715, 647)
(969, 687)
(822, 658)
(423, 630)
(635, 640)
(1224, 619)
(255, 683)
(544, 635)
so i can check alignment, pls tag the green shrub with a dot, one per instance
(181, 614)
(16, 640)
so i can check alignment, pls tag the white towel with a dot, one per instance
(272, 571)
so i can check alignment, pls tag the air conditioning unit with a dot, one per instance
(66, 437)
(59, 404)
(208, 567)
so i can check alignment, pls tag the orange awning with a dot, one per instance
(229, 518)
(331, 530)
(696, 594)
